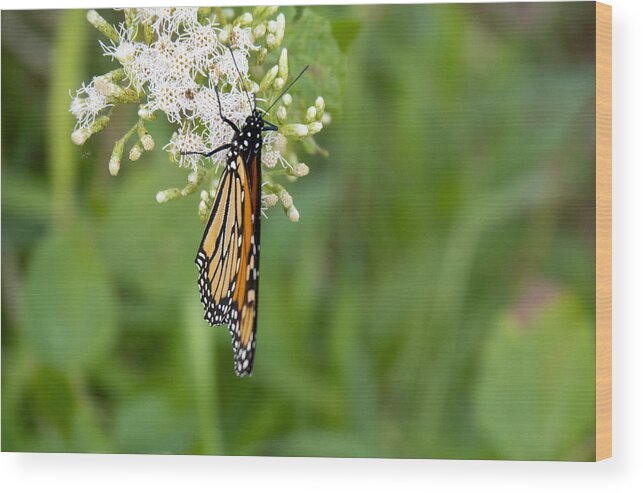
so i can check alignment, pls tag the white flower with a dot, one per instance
(168, 19)
(203, 42)
(242, 39)
(270, 199)
(274, 146)
(224, 65)
(270, 158)
(187, 139)
(87, 104)
(172, 97)
(206, 107)
(180, 61)
(126, 49)
(235, 106)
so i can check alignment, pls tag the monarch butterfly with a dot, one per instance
(228, 256)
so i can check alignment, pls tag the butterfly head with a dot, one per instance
(255, 124)
(254, 119)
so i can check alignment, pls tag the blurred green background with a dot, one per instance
(436, 298)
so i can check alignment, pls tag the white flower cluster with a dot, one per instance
(171, 60)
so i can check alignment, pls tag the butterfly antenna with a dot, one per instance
(243, 83)
(288, 88)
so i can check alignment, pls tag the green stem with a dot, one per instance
(131, 131)
(69, 56)
(202, 365)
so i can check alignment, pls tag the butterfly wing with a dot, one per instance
(243, 324)
(228, 258)
(218, 258)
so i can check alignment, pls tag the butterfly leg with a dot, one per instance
(234, 127)
(208, 154)
(269, 126)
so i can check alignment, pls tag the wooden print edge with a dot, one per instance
(603, 231)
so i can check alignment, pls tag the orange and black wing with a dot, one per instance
(228, 259)
(218, 258)
(243, 324)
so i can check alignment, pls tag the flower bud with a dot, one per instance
(283, 64)
(166, 195)
(203, 211)
(293, 214)
(148, 142)
(94, 17)
(315, 127)
(320, 105)
(272, 27)
(286, 198)
(270, 200)
(107, 88)
(135, 152)
(205, 196)
(245, 19)
(295, 130)
(80, 136)
(115, 159)
(259, 31)
(282, 114)
(268, 79)
(311, 114)
(271, 41)
(301, 169)
(114, 165)
(281, 28)
(279, 83)
(287, 100)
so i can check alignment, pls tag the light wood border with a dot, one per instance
(603, 231)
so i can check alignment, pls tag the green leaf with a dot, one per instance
(147, 424)
(70, 310)
(51, 398)
(311, 42)
(535, 398)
